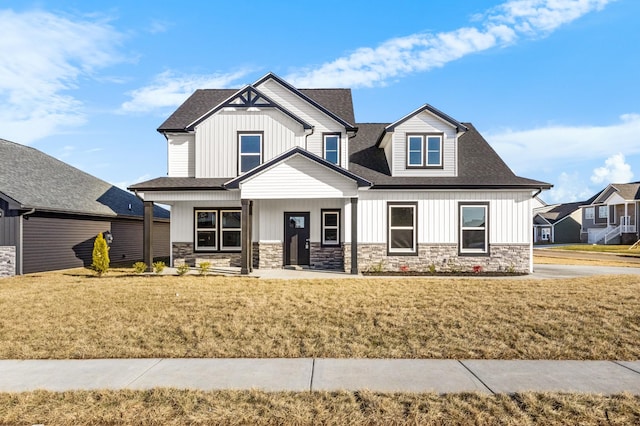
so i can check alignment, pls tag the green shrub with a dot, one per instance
(100, 255)
(204, 268)
(432, 268)
(140, 267)
(158, 266)
(182, 269)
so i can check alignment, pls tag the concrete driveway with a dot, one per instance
(575, 271)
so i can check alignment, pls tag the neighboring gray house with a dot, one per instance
(611, 217)
(270, 175)
(557, 223)
(50, 214)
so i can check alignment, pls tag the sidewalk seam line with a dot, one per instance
(313, 370)
(624, 366)
(144, 372)
(476, 376)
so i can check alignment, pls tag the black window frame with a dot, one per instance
(399, 252)
(471, 252)
(424, 151)
(218, 230)
(242, 133)
(323, 227)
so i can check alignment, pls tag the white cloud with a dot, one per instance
(615, 170)
(569, 187)
(43, 56)
(546, 147)
(170, 89)
(502, 25)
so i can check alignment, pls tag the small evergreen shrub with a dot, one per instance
(204, 268)
(158, 266)
(182, 269)
(100, 255)
(139, 267)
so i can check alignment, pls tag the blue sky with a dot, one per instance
(551, 84)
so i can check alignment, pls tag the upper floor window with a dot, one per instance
(424, 150)
(474, 238)
(249, 150)
(331, 148)
(603, 211)
(588, 213)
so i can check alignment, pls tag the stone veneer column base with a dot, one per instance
(440, 258)
(326, 257)
(7, 261)
(269, 255)
(183, 253)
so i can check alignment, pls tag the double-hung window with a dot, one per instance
(331, 148)
(249, 150)
(474, 235)
(217, 230)
(424, 150)
(402, 227)
(588, 213)
(603, 211)
(206, 230)
(330, 227)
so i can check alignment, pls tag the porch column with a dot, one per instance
(354, 236)
(147, 243)
(245, 226)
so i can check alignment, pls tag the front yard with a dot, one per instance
(72, 314)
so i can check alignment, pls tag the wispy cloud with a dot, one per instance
(548, 147)
(499, 26)
(569, 188)
(170, 89)
(43, 57)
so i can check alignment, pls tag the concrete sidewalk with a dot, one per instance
(310, 374)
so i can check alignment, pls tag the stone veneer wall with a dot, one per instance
(444, 257)
(7, 261)
(269, 255)
(326, 257)
(183, 253)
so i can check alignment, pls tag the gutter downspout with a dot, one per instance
(21, 240)
(306, 144)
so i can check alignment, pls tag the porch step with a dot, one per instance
(294, 267)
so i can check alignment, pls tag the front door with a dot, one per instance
(296, 238)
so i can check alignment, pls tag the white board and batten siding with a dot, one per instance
(181, 155)
(424, 122)
(509, 215)
(298, 177)
(321, 122)
(217, 139)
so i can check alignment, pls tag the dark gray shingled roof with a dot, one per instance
(201, 101)
(180, 184)
(560, 211)
(34, 179)
(479, 166)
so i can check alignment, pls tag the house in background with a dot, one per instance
(611, 217)
(557, 223)
(269, 176)
(50, 214)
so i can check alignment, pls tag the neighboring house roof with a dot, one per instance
(628, 191)
(479, 166)
(337, 101)
(33, 179)
(557, 212)
(234, 183)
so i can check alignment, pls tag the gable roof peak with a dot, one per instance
(426, 107)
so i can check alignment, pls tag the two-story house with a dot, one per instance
(270, 176)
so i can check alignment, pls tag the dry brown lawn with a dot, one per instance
(177, 407)
(73, 315)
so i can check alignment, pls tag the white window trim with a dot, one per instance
(249, 154)
(484, 228)
(324, 146)
(324, 227)
(414, 228)
(589, 213)
(196, 230)
(223, 229)
(545, 234)
(424, 150)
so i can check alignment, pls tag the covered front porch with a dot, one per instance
(621, 226)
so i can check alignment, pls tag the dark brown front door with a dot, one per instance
(296, 238)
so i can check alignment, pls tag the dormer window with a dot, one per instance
(331, 148)
(249, 150)
(424, 150)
